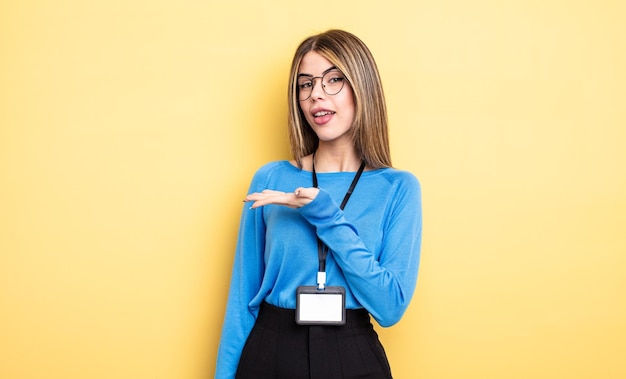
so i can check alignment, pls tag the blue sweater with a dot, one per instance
(374, 248)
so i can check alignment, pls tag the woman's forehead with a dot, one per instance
(313, 63)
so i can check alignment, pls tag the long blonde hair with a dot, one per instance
(369, 131)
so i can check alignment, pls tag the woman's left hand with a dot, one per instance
(299, 198)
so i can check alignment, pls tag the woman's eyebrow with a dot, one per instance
(325, 71)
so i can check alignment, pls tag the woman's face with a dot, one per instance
(330, 116)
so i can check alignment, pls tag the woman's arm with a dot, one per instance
(247, 274)
(386, 285)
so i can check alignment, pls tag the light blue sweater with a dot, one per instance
(374, 248)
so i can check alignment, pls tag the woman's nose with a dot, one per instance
(317, 90)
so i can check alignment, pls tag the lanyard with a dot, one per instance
(322, 250)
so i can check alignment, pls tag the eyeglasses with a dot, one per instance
(332, 84)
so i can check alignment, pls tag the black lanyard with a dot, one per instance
(322, 250)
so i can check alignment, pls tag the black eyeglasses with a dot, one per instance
(332, 83)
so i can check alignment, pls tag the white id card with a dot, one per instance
(320, 307)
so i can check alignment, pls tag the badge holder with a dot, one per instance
(321, 304)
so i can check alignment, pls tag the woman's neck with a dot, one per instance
(330, 160)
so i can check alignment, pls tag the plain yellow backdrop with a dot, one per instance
(129, 131)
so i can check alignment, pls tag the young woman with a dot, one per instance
(337, 222)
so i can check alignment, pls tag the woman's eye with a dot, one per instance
(304, 85)
(335, 79)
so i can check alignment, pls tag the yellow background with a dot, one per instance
(129, 131)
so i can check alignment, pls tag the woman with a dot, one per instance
(295, 233)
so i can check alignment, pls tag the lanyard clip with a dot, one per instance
(321, 280)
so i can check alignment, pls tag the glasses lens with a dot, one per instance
(333, 82)
(305, 86)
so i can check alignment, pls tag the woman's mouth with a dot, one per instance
(322, 113)
(322, 117)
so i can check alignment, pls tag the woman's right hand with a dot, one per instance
(296, 199)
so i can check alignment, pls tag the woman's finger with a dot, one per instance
(300, 197)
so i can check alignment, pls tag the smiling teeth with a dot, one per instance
(322, 113)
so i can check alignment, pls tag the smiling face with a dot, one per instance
(330, 116)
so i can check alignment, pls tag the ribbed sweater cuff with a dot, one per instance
(321, 210)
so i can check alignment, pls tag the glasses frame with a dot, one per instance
(312, 80)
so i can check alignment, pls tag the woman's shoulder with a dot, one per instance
(401, 184)
(270, 168)
(398, 176)
(274, 171)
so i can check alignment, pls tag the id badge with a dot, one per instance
(320, 307)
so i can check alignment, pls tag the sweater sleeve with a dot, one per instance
(247, 274)
(383, 286)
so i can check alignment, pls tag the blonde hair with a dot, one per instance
(369, 131)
